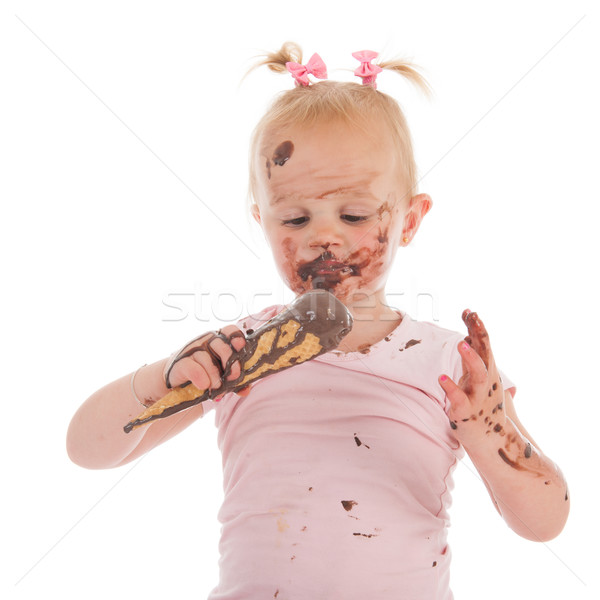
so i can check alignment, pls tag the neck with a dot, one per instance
(373, 320)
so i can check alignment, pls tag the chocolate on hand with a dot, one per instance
(313, 324)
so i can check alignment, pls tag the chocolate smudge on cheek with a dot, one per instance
(348, 504)
(289, 249)
(268, 165)
(381, 210)
(283, 153)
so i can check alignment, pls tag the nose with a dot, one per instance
(324, 234)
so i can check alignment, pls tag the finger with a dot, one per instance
(222, 354)
(473, 368)
(235, 336)
(480, 340)
(190, 370)
(459, 401)
(211, 366)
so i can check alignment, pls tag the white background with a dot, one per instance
(121, 122)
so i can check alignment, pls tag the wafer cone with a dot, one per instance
(313, 324)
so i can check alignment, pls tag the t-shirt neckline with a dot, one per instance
(336, 356)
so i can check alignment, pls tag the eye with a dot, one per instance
(353, 218)
(295, 222)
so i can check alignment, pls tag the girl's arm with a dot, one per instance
(527, 488)
(95, 438)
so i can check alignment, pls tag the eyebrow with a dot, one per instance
(339, 191)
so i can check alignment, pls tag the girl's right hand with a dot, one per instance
(205, 366)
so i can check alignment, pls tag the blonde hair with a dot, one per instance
(355, 104)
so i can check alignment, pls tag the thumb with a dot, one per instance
(459, 402)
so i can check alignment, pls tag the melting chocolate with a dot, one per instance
(319, 313)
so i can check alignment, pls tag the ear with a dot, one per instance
(418, 207)
(256, 213)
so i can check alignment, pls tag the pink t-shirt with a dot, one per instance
(338, 473)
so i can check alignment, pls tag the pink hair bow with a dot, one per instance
(315, 66)
(367, 72)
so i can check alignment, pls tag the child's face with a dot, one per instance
(332, 206)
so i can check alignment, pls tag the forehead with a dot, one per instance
(323, 161)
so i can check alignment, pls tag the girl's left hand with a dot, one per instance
(477, 401)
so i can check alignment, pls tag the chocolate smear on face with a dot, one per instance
(268, 165)
(334, 274)
(382, 236)
(348, 504)
(382, 209)
(283, 153)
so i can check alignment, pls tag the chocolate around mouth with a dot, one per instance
(326, 272)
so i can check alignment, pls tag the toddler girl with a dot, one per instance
(338, 472)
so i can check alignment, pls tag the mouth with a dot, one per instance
(330, 266)
(325, 271)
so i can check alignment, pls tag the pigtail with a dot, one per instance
(409, 71)
(289, 52)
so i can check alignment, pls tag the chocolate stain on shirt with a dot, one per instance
(409, 344)
(359, 443)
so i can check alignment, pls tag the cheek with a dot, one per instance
(373, 256)
(289, 265)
